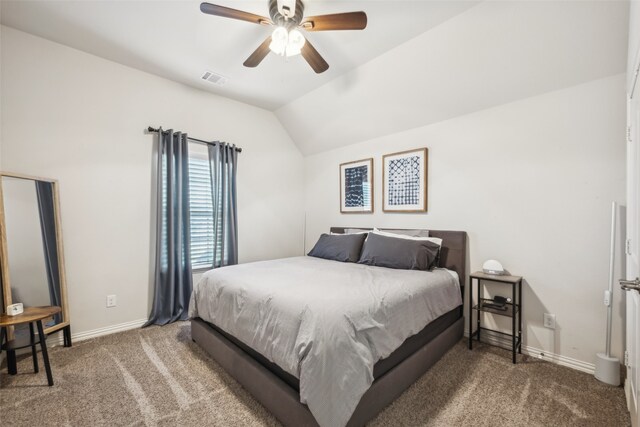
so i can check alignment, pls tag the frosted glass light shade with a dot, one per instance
(296, 42)
(279, 41)
(285, 42)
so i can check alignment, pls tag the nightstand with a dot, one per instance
(513, 309)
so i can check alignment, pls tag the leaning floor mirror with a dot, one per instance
(31, 251)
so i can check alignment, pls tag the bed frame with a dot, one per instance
(283, 401)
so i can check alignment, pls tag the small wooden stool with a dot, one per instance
(30, 315)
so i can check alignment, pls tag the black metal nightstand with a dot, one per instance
(514, 309)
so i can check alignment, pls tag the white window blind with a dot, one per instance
(202, 217)
(203, 239)
(201, 211)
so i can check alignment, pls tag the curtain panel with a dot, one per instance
(173, 276)
(224, 160)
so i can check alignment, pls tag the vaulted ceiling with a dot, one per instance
(416, 63)
(175, 40)
(494, 53)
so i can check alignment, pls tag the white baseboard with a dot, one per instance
(81, 336)
(558, 359)
(491, 339)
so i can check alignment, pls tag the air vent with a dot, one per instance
(214, 78)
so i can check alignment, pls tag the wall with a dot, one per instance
(531, 182)
(80, 119)
(634, 40)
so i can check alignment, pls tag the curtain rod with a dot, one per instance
(150, 129)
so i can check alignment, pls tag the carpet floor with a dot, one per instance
(158, 377)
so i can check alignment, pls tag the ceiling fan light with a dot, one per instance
(279, 41)
(295, 44)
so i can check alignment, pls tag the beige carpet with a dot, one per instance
(158, 376)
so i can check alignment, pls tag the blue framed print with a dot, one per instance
(404, 180)
(356, 186)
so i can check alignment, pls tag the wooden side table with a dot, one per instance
(514, 309)
(30, 315)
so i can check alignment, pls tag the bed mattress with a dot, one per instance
(324, 323)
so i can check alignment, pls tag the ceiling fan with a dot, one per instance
(286, 39)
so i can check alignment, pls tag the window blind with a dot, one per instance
(202, 215)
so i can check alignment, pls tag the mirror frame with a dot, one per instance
(4, 254)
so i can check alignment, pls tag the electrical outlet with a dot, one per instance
(549, 320)
(111, 301)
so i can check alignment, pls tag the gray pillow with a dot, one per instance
(339, 247)
(404, 254)
(410, 233)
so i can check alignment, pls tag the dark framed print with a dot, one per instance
(356, 186)
(404, 181)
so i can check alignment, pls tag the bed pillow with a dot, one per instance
(410, 233)
(355, 230)
(436, 240)
(388, 233)
(400, 253)
(339, 247)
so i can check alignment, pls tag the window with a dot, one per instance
(201, 210)
(203, 241)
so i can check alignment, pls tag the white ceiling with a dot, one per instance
(175, 40)
(418, 62)
(494, 53)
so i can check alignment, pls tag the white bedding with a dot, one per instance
(325, 322)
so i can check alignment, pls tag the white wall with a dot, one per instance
(80, 119)
(634, 40)
(531, 182)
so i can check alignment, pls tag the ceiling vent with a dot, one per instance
(214, 78)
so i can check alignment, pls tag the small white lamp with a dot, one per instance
(493, 267)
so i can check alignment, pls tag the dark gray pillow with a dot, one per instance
(404, 254)
(339, 247)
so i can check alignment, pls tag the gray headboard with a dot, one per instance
(453, 254)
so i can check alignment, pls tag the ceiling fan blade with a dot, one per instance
(227, 12)
(337, 21)
(259, 54)
(311, 55)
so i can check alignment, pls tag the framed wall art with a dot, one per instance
(356, 186)
(404, 181)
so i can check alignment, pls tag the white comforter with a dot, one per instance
(325, 322)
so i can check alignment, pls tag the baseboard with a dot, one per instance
(558, 359)
(57, 339)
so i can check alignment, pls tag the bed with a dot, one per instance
(277, 370)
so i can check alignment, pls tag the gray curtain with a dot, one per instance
(44, 190)
(224, 159)
(173, 279)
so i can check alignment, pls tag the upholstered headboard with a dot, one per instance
(453, 254)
